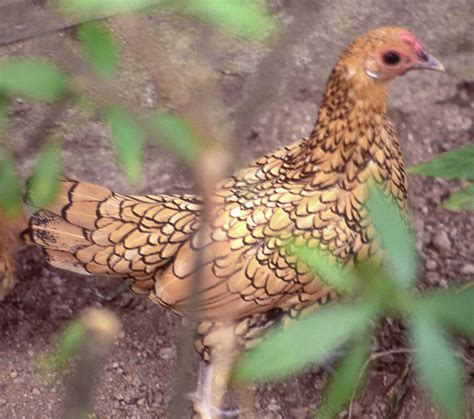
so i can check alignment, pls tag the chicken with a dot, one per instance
(310, 193)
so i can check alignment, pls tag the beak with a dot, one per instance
(428, 62)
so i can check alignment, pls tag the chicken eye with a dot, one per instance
(391, 58)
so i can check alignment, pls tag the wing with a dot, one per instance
(92, 230)
(249, 252)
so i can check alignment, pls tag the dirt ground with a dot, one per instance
(270, 95)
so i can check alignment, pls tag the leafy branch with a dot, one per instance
(457, 164)
(376, 293)
(38, 80)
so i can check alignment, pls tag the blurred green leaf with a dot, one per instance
(105, 7)
(32, 78)
(10, 192)
(243, 17)
(345, 382)
(438, 367)
(44, 182)
(100, 48)
(454, 164)
(454, 308)
(246, 18)
(127, 140)
(66, 348)
(394, 236)
(175, 133)
(329, 272)
(4, 102)
(462, 199)
(309, 340)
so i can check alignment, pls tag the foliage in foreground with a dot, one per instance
(376, 293)
(38, 80)
(88, 339)
(457, 164)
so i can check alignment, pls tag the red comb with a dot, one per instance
(412, 40)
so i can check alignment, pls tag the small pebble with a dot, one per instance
(441, 240)
(13, 374)
(432, 277)
(136, 382)
(36, 392)
(273, 407)
(431, 264)
(167, 353)
(56, 280)
(467, 269)
(357, 409)
(299, 412)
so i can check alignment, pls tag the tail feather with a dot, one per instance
(78, 202)
(89, 229)
(53, 232)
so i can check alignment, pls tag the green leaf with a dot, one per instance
(68, 344)
(347, 379)
(306, 341)
(10, 192)
(100, 48)
(394, 236)
(32, 78)
(454, 308)
(247, 18)
(242, 17)
(44, 182)
(175, 133)
(4, 102)
(320, 264)
(105, 7)
(439, 369)
(462, 199)
(127, 140)
(454, 164)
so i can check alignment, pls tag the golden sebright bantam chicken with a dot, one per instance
(309, 193)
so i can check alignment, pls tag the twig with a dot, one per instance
(398, 391)
(382, 354)
(372, 358)
(209, 168)
(102, 327)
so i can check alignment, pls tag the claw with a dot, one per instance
(206, 410)
(208, 396)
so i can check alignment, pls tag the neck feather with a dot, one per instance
(353, 139)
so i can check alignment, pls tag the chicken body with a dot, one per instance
(308, 194)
